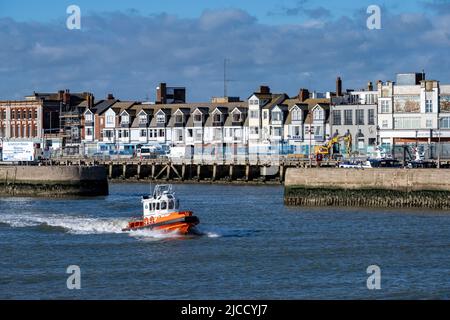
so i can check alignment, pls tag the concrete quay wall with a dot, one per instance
(389, 187)
(53, 181)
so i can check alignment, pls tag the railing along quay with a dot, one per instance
(227, 170)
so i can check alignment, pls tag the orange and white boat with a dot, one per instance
(161, 212)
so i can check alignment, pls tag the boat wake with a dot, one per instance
(71, 224)
(84, 225)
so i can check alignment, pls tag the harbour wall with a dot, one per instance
(53, 181)
(389, 187)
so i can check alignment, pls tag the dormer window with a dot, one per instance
(87, 116)
(318, 114)
(197, 117)
(143, 119)
(276, 116)
(125, 119)
(161, 118)
(179, 118)
(217, 117)
(237, 117)
(296, 115)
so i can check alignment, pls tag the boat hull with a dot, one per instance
(181, 223)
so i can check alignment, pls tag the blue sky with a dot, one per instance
(48, 10)
(127, 47)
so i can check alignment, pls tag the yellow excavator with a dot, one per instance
(325, 150)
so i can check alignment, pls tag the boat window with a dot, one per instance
(157, 206)
(171, 204)
(163, 205)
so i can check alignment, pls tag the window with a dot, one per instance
(237, 117)
(109, 119)
(109, 134)
(254, 114)
(444, 123)
(318, 114)
(372, 141)
(179, 134)
(406, 123)
(87, 116)
(162, 132)
(217, 117)
(189, 133)
(348, 117)
(143, 133)
(179, 118)
(429, 123)
(360, 117)
(384, 124)
(265, 114)
(276, 116)
(254, 130)
(19, 114)
(254, 102)
(198, 134)
(296, 131)
(143, 119)
(337, 117)
(277, 132)
(125, 119)
(318, 132)
(161, 118)
(197, 117)
(385, 106)
(89, 131)
(371, 115)
(296, 115)
(217, 134)
(428, 106)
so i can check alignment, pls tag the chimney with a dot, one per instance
(303, 94)
(370, 86)
(110, 96)
(66, 97)
(264, 89)
(338, 87)
(89, 99)
(60, 95)
(161, 93)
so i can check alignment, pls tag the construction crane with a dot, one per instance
(325, 150)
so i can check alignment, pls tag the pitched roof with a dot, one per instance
(103, 105)
(276, 98)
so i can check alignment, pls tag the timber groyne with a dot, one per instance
(389, 187)
(53, 181)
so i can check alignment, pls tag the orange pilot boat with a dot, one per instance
(161, 212)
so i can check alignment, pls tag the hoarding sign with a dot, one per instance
(18, 151)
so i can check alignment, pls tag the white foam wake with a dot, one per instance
(73, 224)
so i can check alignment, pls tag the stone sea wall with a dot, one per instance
(53, 181)
(391, 188)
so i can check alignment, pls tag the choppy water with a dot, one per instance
(253, 247)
